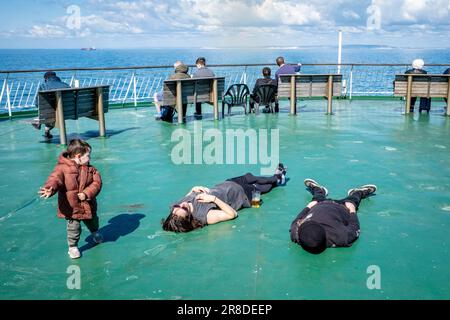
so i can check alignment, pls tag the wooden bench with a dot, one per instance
(309, 85)
(56, 106)
(194, 90)
(422, 85)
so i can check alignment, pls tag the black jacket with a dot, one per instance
(341, 226)
(263, 81)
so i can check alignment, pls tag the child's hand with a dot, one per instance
(46, 192)
(82, 196)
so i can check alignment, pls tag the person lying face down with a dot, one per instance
(203, 206)
(328, 223)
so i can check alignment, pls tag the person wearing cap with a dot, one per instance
(417, 68)
(51, 82)
(201, 72)
(328, 223)
(165, 113)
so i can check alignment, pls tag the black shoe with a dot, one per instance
(48, 135)
(198, 116)
(280, 172)
(36, 125)
(311, 184)
(366, 190)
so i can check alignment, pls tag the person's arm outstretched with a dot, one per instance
(54, 182)
(214, 216)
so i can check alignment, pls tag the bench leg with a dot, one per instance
(60, 117)
(408, 95)
(448, 98)
(101, 113)
(179, 103)
(215, 100)
(330, 95)
(293, 97)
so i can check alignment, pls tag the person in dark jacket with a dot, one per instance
(51, 82)
(328, 223)
(262, 81)
(202, 72)
(166, 113)
(425, 103)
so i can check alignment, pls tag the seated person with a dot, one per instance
(286, 68)
(202, 72)
(203, 206)
(181, 72)
(328, 223)
(262, 81)
(417, 68)
(51, 82)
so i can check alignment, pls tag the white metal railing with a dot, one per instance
(138, 84)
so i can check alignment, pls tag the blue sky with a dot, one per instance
(222, 23)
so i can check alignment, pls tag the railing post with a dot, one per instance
(408, 95)
(351, 82)
(3, 90)
(8, 100)
(293, 96)
(134, 89)
(245, 75)
(330, 94)
(60, 118)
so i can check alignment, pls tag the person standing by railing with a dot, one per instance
(446, 72)
(51, 82)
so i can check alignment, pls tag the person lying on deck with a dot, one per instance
(328, 223)
(203, 206)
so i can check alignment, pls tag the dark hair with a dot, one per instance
(201, 61)
(49, 74)
(180, 224)
(266, 72)
(77, 146)
(312, 237)
(280, 61)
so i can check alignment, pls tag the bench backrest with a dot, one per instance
(423, 85)
(309, 85)
(194, 89)
(77, 102)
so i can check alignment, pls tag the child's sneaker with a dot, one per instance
(311, 184)
(74, 253)
(366, 190)
(97, 237)
(281, 173)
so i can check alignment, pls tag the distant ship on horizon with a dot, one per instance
(89, 49)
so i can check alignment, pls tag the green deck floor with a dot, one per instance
(404, 228)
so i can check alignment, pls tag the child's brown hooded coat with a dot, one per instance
(69, 179)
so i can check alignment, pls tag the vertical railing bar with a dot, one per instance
(21, 97)
(29, 94)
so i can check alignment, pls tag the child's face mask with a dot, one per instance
(84, 159)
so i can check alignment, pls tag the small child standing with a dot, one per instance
(78, 185)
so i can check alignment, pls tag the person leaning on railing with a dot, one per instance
(417, 68)
(181, 72)
(51, 82)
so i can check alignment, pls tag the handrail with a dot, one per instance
(221, 65)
